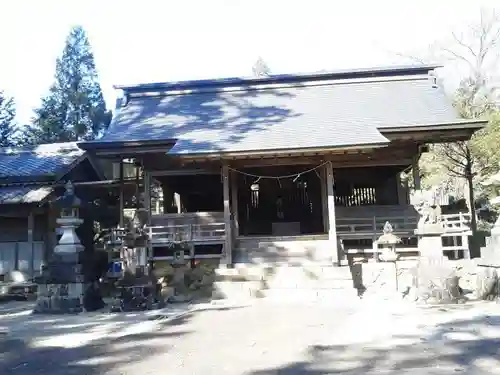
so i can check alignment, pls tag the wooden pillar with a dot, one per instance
(122, 198)
(31, 245)
(402, 194)
(147, 205)
(465, 246)
(324, 199)
(234, 204)
(332, 227)
(51, 235)
(147, 193)
(416, 172)
(227, 259)
(168, 199)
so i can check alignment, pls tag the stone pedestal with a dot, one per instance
(429, 240)
(435, 279)
(138, 288)
(61, 286)
(181, 290)
(436, 282)
(490, 254)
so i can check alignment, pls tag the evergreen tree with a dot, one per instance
(74, 109)
(7, 125)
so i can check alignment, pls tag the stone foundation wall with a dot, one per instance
(380, 278)
(283, 251)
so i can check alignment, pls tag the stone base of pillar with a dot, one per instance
(430, 240)
(60, 287)
(59, 299)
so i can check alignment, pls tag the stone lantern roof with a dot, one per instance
(69, 200)
(388, 238)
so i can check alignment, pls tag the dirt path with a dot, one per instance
(277, 338)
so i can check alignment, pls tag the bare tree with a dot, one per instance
(260, 68)
(477, 50)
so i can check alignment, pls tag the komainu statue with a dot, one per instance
(428, 214)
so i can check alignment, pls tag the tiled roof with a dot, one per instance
(41, 161)
(259, 116)
(15, 194)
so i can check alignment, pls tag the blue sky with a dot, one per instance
(147, 41)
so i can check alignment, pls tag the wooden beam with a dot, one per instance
(397, 153)
(393, 160)
(227, 259)
(183, 172)
(332, 227)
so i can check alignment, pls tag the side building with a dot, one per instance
(30, 178)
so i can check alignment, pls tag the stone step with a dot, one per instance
(284, 283)
(233, 290)
(337, 296)
(244, 290)
(267, 272)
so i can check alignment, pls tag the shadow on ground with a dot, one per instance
(20, 352)
(455, 347)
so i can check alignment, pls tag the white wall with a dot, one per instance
(27, 255)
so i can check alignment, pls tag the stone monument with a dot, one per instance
(61, 285)
(435, 280)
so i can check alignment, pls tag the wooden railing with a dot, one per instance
(209, 226)
(192, 226)
(375, 225)
(213, 232)
(453, 224)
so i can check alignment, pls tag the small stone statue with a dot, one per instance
(428, 214)
(387, 228)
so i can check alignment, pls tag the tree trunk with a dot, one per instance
(473, 216)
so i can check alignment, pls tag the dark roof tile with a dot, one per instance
(41, 161)
(320, 114)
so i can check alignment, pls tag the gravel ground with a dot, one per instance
(270, 338)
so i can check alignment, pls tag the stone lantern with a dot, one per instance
(388, 241)
(61, 285)
(69, 220)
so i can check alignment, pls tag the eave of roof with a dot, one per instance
(460, 124)
(279, 152)
(380, 72)
(24, 194)
(126, 148)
